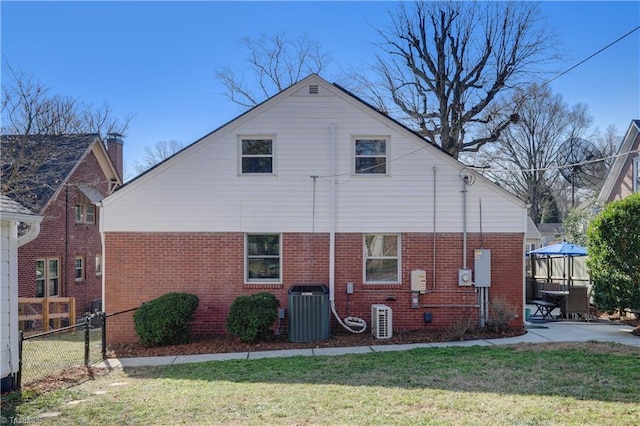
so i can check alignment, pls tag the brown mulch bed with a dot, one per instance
(228, 343)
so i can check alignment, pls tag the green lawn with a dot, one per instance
(582, 383)
(53, 353)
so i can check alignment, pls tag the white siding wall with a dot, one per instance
(8, 299)
(200, 189)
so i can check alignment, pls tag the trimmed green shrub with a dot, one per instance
(250, 317)
(614, 255)
(166, 320)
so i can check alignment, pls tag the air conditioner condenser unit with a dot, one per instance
(381, 322)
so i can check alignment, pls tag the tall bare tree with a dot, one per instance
(156, 154)
(528, 149)
(443, 64)
(29, 108)
(274, 62)
(30, 111)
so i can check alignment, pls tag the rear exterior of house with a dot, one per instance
(313, 187)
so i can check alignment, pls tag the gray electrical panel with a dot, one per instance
(482, 266)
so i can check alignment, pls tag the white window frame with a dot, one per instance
(385, 156)
(366, 257)
(636, 174)
(49, 278)
(85, 213)
(241, 155)
(78, 269)
(247, 258)
(98, 266)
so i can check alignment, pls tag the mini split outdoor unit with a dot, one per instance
(381, 323)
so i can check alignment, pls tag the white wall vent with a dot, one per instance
(381, 322)
(313, 89)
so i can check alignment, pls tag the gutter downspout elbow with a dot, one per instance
(31, 234)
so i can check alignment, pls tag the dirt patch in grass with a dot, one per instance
(229, 343)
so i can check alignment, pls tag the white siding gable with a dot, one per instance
(201, 188)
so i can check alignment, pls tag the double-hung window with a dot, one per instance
(263, 257)
(98, 264)
(47, 277)
(256, 155)
(382, 258)
(79, 268)
(370, 155)
(85, 213)
(85, 210)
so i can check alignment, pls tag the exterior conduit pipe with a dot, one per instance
(464, 223)
(433, 266)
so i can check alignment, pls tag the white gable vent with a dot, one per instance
(381, 322)
(313, 89)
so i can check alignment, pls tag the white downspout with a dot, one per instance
(32, 233)
(352, 324)
(102, 280)
(333, 140)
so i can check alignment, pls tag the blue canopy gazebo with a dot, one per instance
(563, 249)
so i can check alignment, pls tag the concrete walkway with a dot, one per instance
(553, 331)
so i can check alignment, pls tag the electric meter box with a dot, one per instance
(419, 280)
(482, 266)
(465, 277)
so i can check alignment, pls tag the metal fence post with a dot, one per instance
(18, 383)
(87, 325)
(104, 335)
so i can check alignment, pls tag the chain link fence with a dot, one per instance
(52, 353)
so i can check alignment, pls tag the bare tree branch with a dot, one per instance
(275, 62)
(156, 154)
(443, 64)
(531, 146)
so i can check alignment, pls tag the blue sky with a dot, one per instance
(155, 61)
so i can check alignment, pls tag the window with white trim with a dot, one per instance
(256, 155)
(79, 268)
(370, 155)
(47, 277)
(98, 264)
(263, 258)
(636, 174)
(85, 213)
(382, 261)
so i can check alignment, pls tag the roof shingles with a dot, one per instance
(34, 167)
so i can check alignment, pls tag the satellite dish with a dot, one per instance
(581, 164)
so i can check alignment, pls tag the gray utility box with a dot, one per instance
(309, 313)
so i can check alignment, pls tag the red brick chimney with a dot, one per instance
(114, 148)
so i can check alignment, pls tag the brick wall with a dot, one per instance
(142, 266)
(60, 237)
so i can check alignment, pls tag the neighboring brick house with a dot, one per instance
(63, 178)
(313, 186)
(623, 178)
